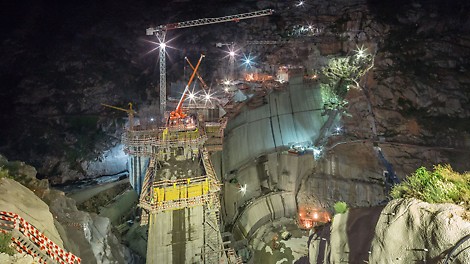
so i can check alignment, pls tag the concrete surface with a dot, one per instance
(263, 210)
(176, 236)
(290, 116)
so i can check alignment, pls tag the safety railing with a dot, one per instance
(48, 249)
(148, 144)
(181, 193)
(153, 207)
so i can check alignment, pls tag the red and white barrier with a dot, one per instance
(46, 245)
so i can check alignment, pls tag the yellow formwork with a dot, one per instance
(172, 193)
(182, 191)
(212, 129)
(180, 135)
(194, 191)
(159, 194)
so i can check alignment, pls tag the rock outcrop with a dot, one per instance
(404, 231)
(18, 199)
(86, 235)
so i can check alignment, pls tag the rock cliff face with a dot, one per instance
(405, 231)
(60, 63)
(418, 91)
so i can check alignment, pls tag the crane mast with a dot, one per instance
(161, 30)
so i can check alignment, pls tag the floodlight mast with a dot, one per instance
(160, 32)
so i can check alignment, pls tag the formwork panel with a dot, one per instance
(194, 190)
(172, 193)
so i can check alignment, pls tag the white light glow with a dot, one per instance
(192, 96)
(243, 189)
(231, 53)
(300, 3)
(315, 215)
(361, 52)
(207, 97)
(152, 119)
(248, 61)
(162, 45)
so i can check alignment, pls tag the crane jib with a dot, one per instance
(207, 21)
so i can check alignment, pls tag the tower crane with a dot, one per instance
(161, 30)
(130, 112)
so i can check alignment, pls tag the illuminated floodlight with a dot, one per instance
(207, 97)
(161, 46)
(242, 189)
(152, 119)
(248, 61)
(308, 224)
(317, 153)
(192, 96)
(361, 52)
(338, 129)
(231, 53)
(227, 82)
(300, 3)
(315, 215)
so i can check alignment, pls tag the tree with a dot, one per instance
(341, 74)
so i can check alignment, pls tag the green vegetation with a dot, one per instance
(443, 185)
(340, 75)
(340, 207)
(5, 241)
(4, 173)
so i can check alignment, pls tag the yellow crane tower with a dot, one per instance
(130, 112)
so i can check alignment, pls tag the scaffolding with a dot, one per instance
(188, 144)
